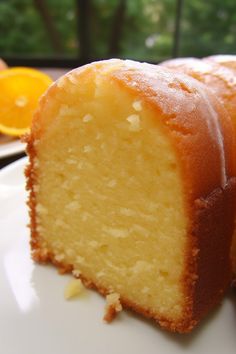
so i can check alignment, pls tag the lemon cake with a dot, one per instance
(228, 61)
(131, 188)
(218, 73)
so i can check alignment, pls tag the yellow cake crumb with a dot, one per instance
(113, 307)
(134, 121)
(87, 148)
(112, 183)
(87, 118)
(137, 106)
(76, 273)
(73, 289)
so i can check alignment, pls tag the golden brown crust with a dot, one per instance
(233, 254)
(183, 108)
(211, 264)
(219, 78)
(30, 182)
(110, 314)
(113, 307)
(218, 72)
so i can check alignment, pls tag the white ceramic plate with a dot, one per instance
(35, 318)
(10, 146)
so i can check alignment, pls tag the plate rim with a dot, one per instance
(11, 166)
(16, 150)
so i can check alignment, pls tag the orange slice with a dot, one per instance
(20, 90)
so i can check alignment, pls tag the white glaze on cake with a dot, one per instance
(215, 131)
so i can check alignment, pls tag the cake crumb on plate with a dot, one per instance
(73, 289)
(113, 307)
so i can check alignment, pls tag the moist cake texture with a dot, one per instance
(131, 188)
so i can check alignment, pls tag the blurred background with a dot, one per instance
(68, 33)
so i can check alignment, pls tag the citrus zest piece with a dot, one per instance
(20, 90)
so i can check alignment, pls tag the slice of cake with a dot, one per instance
(131, 188)
(218, 73)
(228, 61)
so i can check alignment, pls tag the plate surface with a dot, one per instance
(10, 146)
(36, 319)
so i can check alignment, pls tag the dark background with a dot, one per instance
(68, 33)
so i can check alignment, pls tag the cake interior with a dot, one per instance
(110, 199)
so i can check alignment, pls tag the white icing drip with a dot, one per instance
(215, 130)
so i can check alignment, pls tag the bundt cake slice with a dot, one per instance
(228, 61)
(131, 188)
(218, 73)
